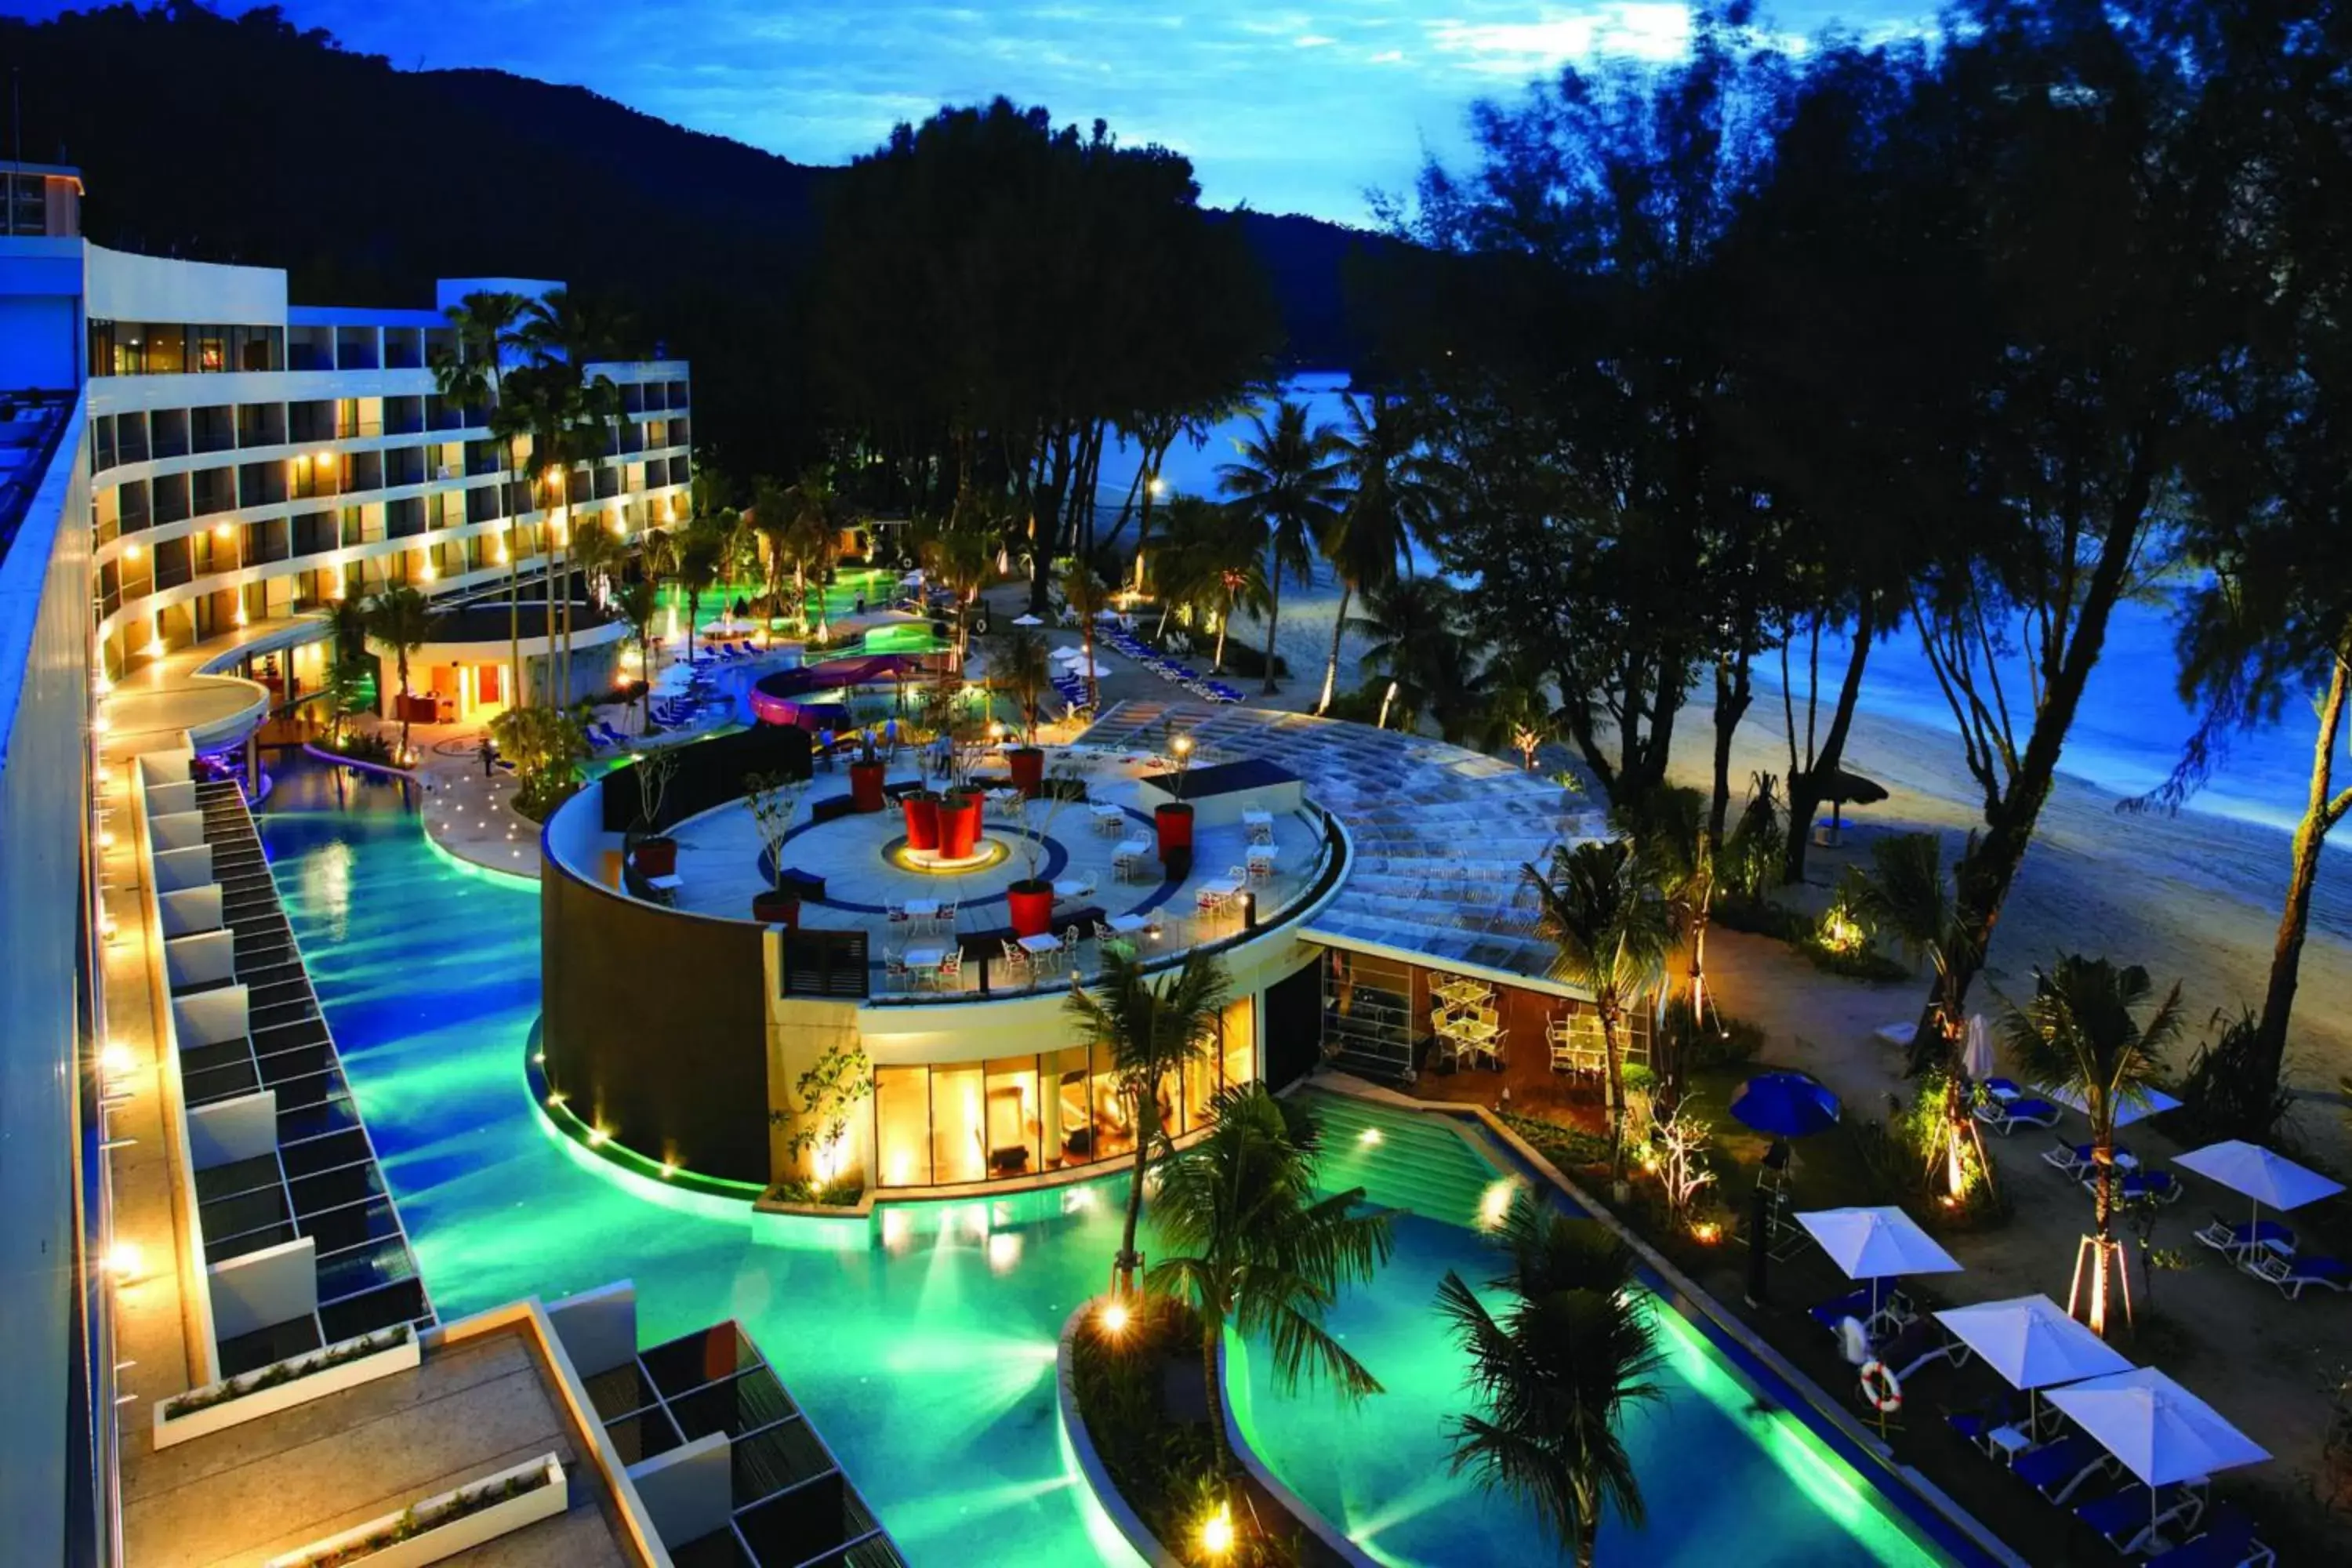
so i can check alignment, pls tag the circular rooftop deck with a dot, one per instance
(1099, 852)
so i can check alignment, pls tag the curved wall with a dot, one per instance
(655, 1027)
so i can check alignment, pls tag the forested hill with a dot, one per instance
(246, 140)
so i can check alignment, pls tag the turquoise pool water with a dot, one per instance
(927, 1361)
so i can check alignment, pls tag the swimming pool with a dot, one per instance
(923, 1345)
(1718, 1465)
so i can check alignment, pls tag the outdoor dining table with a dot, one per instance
(926, 957)
(1218, 891)
(1126, 925)
(1263, 854)
(922, 909)
(1071, 888)
(1463, 993)
(1258, 822)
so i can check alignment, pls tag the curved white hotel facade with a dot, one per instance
(190, 467)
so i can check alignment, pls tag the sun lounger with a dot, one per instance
(1893, 1307)
(2138, 1185)
(2233, 1240)
(2056, 1469)
(2228, 1542)
(2002, 1088)
(2291, 1274)
(1899, 1034)
(2129, 1519)
(1917, 1344)
(2067, 1156)
(2006, 1116)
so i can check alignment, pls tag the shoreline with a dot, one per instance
(2192, 896)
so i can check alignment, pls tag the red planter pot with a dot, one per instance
(1028, 770)
(777, 909)
(959, 827)
(923, 810)
(1033, 908)
(865, 786)
(1173, 825)
(656, 857)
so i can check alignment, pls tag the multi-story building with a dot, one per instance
(190, 467)
(251, 459)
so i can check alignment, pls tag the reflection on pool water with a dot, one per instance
(923, 1345)
(1717, 1468)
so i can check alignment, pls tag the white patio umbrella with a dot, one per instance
(2031, 1341)
(2126, 1110)
(2160, 1431)
(1975, 1059)
(2262, 1176)
(1025, 619)
(1876, 1244)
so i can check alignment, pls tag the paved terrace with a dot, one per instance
(1437, 832)
(469, 1410)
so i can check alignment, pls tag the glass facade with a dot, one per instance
(1017, 1116)
(173, 348)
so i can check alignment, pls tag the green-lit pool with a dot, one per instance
(923, 1346)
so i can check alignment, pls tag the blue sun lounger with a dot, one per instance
(2056, 1469)
(2129, 1519)
(2228, 1542)
(2006, 1116)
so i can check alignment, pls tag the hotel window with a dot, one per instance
(1114, 1120)
(1068, 1134)
(959, 1129)
(207, 349)
(102, 348)
(1240, 1025)
(1014, 1123)
(165, 348)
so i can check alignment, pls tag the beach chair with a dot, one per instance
(2140, 1186)
(2129, 1519)
(2069, 1157)
(2058, 1469)
(2006, 1116)
(949, 974)
(2291, 1274)
(2233, 1240)
(1918, 1345)
(2227, 1541)
(2001, 1088)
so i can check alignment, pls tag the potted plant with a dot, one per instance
(923, 809)
(655, 853)
(959, 811)
(1172, 820)
(1022, 662)
(1031, 899)
(775, 800)
(866, 775)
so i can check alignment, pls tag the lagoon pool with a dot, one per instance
(922, 1346)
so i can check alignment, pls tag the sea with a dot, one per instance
(2127, 739)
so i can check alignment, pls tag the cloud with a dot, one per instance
(1645, 29)
(1386, 57)
(1315, 41)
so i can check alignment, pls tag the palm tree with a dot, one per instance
(1252, 1248)
(1613, 933)
(1288, 484)
(1668, 829)
(810, 534)
(402, 620)
(1391, 501)
(1088, 595)
(1414, 626)
(1150, 1032)
(1020, 666)
(638, 602)
(487, 324)
(1556, 1372)
(1213, 564)
(2078, 1032)
(960, 554)
(700, 553)
(596, 550)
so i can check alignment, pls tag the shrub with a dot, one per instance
(1566, 1147)
(1722, 1041)
(359, 746)
(2226, 1094)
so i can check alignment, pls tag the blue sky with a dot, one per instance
(1289, 107)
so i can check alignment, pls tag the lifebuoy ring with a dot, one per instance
(1881, 1387)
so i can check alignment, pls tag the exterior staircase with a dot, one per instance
(1413, 1162)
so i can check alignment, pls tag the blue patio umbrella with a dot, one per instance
(1785, 1104)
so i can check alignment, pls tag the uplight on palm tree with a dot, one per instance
(1600, 907)
(1390, 501)
(402, 620)
(1556, 1372)
(489, 325)
(1152, 1032)
(1252, 1248)
(2079, 1032)
(1289, 481)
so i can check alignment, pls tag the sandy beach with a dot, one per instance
(2192, 897)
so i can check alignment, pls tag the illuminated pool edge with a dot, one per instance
(659, 1176)
(1898, 1495)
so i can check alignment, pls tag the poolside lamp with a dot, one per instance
(1217, 1532)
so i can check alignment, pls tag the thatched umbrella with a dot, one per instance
(1841, 789)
